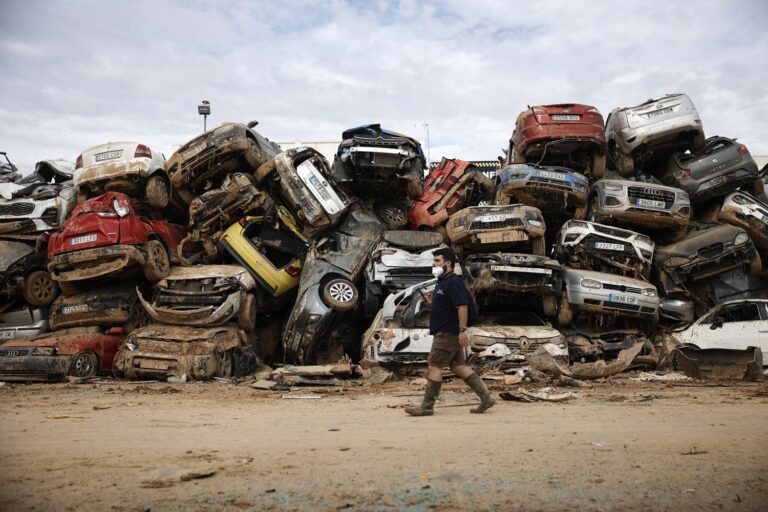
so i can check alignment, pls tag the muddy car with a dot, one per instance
(705, 252)
(373, 162)
(80, 352)
(160, 351)
(211, 213)
(566, 134)
(302, 178)
(640, 205)
(747, 212)
(588, 347)
(737, 284)
(321, 321)
(504, 340)
(131, 168)
(497, 228)
(39, 202)
(652, 131)
(598, 293)
(204, 295)
(452, 185)
(202, 163)
(720, 167)
(23, 271)
(509, 281)
(400, 260)
(110, 235)
(8, 172)
(553, 190)
(591, 246)
(113, 306)
(20, 320)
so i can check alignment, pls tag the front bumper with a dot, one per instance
(92, 263)
(603, 301)
(196, 359)
(210, 315)
(32, 368)
(701, 268)
(309, 320)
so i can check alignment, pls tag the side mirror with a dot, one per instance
(716, 323)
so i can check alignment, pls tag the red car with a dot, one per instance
(567, 135)
(81, 351)
(451, 186)
(112, 234)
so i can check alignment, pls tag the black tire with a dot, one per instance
(625, 164)
(246, 317)
(39, 289)
(340, 294)
(226, 361)
(594, 204)
(565, 312)
(597, 165)
(755, 264)
(70, 287)
(85, 364)
(158, 265)
(537, 246)
(391, 215)
(157, 191)
(549, 304)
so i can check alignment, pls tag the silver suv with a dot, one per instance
(656, 128)
(636, 204)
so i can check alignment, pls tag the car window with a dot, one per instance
(276, 246)
(746, 312)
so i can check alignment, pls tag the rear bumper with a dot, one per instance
(720, 185)
(92, 263)
(34, 368)
(189, 358)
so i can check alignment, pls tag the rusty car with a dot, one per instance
(20, 320)
(23, 271)
(497, 228)
(113, 306)
(749, 213)
(590, 346)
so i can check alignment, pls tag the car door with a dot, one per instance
(736, 326)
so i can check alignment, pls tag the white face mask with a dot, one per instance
(437, 271)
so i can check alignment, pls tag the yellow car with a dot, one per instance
(273, 252)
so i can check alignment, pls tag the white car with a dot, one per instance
(747, 212)
(128, 167)
(734, 325)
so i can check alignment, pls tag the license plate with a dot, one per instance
(551, 175)
(491, 218)
(150, 364)
(650, 202)
(82, 239)
(319, 187)
(194, 150)
(658, 113)
(608, 246)
(108, 155)
(68, 310)
(624, 299)
(565, 117)
(521, 270)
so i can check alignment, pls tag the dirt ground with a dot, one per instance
(621, 445)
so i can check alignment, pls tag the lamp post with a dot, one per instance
(204, 109)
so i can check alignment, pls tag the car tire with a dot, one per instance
(340, 294)
(84, 365)
(538, 247)
(246, 317)
(594, 205)
(517, 156)
(157, 191)
(564, 312)
(757, 188)
(70, 287)
(625, 164)
(597, 165)
(549, 304)
(39, 289)
(391, 215)
(157, 265)
(226, 362)
(755, 264)
(265, 170)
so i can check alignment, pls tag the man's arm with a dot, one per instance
(463, 315)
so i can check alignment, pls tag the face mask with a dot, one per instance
(437, 271)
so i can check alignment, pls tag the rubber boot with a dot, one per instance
(427, 405)
(478, 386)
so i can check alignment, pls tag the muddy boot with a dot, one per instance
(478, 386)
(427, 406)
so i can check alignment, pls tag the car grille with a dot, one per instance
(607, 230)
(621, 306)
(622, 288)
(550, 181)
(711, 251)
(20, 226)
(176, 301)
(407, 357)
(16, 209)
(590, 241)
(658, 195)
(409, 271)
(511, 222)
(16, 352)
(518, 279)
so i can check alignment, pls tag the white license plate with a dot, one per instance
(650, 202)
(68, 310)
(624, 299)
(108, 155)
(551, 175)
(765, 218)
(658, 113)
(565, 117)
(608, 246)
(82, 239)
(491, 218)
(521, 270)
(6, 335)
(194, 150)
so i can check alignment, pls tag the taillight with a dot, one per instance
(743, 150)
(388, 252)
(293, 271)
(79, 161)
(116, 330)
(243, 222)
(686, 173)
(142, 151)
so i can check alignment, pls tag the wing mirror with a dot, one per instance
(716, 323)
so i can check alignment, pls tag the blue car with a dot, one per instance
(553, 190)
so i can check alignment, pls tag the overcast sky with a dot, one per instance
(77, 74)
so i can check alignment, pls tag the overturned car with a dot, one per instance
(117, 306)
(497, 228)
(553, 190)
(23, 272)
(20, 320)
(747, 212)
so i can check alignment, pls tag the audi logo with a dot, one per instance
(653, 191)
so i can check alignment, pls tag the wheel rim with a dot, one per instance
(42, 289)
(225, 363)
(341, 292)
(158, 254)
(84, 366)
(393, 215)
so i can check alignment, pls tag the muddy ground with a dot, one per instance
(621, 445)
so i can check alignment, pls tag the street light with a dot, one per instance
(204, 109)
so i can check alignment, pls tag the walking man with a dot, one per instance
(449, 310)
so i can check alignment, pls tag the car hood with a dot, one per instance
(723, 233)
(209, 272)
(11, 252)
(514, 259)
(56, 338)
(180, 334)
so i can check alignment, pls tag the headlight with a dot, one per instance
(646, 254)
(536, 223)
(613, 186)
(591, 283)
(517, 176)
(649, 292)
(738, 199)
(314, 317)
(120, 210)
(676, 261)
(741, 238)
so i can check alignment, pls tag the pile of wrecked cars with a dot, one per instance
(598, 246)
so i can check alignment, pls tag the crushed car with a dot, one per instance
(374, 162)
(496, 228)
(23, 271)
(80, 351)
(109, 235)
(161, 351)
(8, 172)
(452, 185)
(20, 320)
(128, 167)
(555, 191)
(589, 347)
(566, 134)
(652, 131)
(302, 178)
(749, 213)
(592, 246)
(202, 163)
(113, 306)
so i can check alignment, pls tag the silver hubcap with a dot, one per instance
(83, 366)
(341, 292)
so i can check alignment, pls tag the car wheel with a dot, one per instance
(157, 265)
(157, 191)
(549, 304)
(39, 288)
(597, 168)
(594, 205)
(246, 317)
(391, 215)
(537, 246)
(226, 363)
(85, 364)
(340, 294)
(517, 156)
(579, 213)
(755, 264)
(264, 171)
(625, 164)
(757, 188)
(565, 312)
(70, 287)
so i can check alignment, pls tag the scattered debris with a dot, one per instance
(543, 395)
(720, 363)
(661, 377)
(302, 397)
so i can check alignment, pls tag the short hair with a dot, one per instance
(447, 254)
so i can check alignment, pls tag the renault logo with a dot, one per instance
(524, 343)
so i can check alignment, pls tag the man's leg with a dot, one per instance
(474, 381)
(434, 383)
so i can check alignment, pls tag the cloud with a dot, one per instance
(79, 73)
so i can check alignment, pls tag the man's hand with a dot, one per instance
(427, 299)
(463, 339)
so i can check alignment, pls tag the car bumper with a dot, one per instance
(718, 185)
(702, 268)
(658, 134)
(210, 315)
(399, 346)
(35, 368)
(551, 195)
(309, 320)
(92, 263)
(195, 359)
(123, 170)
(757, 228)
(601, 302)
(636, 216)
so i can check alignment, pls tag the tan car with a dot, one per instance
(497, 228)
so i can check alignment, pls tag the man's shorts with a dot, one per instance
(446, 351)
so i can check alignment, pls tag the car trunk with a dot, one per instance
(657, 111)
